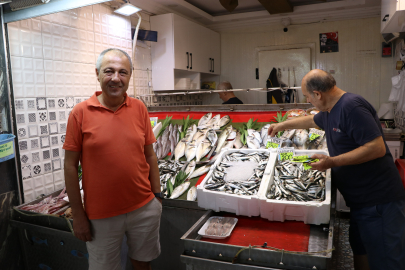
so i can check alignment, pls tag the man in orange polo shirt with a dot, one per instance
(110, 134)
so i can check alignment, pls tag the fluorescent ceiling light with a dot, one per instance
(127, 10)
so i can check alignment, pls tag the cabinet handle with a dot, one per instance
(187, 60)
(213, 65)
(386, 17)
(210, 64)
(396, 153)
(191, 61)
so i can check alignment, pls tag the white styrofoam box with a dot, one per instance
(37, 169)
(34, 143)
(28, 185)
(238, 204)
(46, 154)
(47, 167)
(308, 212)
(48, 179)
(25, 158)
(29, 196)
(341, 203)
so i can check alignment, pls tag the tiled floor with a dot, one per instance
(342, 256)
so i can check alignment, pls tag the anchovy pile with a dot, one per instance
(293, 183)
(168, 170)
(249, 187)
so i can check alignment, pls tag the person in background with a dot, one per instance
(111, 135)
(228, 97)
(362, 169)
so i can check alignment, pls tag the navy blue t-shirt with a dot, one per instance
(351, 123)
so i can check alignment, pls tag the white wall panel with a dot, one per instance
(359, 67)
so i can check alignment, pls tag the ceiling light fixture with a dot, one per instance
(127, 10)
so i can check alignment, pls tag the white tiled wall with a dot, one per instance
(53, 68)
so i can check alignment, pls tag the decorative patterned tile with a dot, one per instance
(56, 165)
(26, 172)
(32, 117)
(19, 104)
(43, 116)
(48, 167)
(62, 138)
(37, 169)
(51, 103)
(25, 158)
(31, 104)
(34, 143)
(62, 127)
(70, 102)
(44, 141)
(33, 131)
(62, 115)
(54, 140)
(61, 103)
(41, 103)
(55, 153)
(36, 156)
(20, 118)
(43, 129)
(53, 128)
(23, 145)
(22, 132)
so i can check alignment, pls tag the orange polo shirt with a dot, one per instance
(115, 171)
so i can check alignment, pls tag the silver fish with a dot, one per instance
(214, 120)
(180, 149)
(200, 171)
(191, 131)
(212, 136)
(192, 194)
(237, 143)
(202, 150)
(252, 142)
(230, 140)
(204, 120)
(190, 168)
(222, 138)
(288, 134)
(256, 134)
(222, 122)
(300, 138)
(178, 191)
(263, 133)
(191, 149)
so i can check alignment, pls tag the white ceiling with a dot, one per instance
(250, 12)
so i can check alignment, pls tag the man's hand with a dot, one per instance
(324, 163)
(274, 129)
(81, 227)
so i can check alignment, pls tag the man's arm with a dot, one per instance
(151, 159)
(304, 122)
(369, 151)
(81, 224)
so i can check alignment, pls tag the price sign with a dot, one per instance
(307, 165)
(313, 136)
(286, 153)
(274, 142)
(272, 145)
(153, 121)
(315, 133)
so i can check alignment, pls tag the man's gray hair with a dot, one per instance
(225, 85)
(320, 82)
(101, 56)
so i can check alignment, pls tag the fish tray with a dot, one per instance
(54, 220)
(308, 212)
(204, 228)
(244, 205)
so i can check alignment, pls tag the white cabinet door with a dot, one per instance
(183, 30)
(201, 49)
(215, 52)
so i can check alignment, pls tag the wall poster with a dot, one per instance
(329, 42)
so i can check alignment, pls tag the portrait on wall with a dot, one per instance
(329, 42)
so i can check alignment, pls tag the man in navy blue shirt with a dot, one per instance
(362, 169)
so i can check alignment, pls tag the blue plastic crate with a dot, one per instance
(7, 147)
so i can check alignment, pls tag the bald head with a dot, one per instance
(224, 86)
(114, 51)
(318, 80)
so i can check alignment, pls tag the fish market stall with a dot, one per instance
(240, 116)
